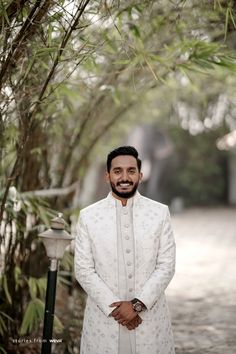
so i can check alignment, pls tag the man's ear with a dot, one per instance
(107, 177)
(140, 177)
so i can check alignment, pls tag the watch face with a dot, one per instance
(137, 307)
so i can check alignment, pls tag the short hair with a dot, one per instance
(123, 150)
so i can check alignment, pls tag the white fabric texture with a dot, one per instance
(126, 271)
(96, 269)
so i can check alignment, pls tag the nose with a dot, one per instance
(125, 176)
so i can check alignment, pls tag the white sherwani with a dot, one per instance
(97, 267)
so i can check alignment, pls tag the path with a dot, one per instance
(202, 295)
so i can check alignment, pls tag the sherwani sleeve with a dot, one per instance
(165, 266)
(86, 274)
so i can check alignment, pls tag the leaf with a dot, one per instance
(232, 18)
(18, 279)
(123, 62)
(6, 290)
(4, 12)
(29, 319)
(2, 350)
(226, 22)
(58, 326)
(67, 261)
(5, 315)
(39, 306)
(42, 286)
(43, 215)
(63, 280)
(135, 30)
(33, 316)
(42, 51)
(32, 287)
(3, 326)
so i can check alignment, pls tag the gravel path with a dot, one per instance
(202, 295)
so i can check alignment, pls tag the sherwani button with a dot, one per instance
(129, 263)
(130, 276)
(127, 237)
(128, 250)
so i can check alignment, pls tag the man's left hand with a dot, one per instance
(124, 312)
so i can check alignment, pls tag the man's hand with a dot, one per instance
(134, 323)
(124, 312)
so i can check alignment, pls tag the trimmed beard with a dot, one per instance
(125, 195)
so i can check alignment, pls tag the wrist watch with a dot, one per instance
(137, 305)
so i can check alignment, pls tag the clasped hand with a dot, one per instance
(125, 314)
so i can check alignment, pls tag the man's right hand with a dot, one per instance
(135, 322)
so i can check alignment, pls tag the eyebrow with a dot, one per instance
(129, 168)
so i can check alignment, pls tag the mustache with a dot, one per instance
(128, 182)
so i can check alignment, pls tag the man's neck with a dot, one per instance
(122, 200)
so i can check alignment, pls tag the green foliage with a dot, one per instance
(68, 76)
(23, 294)
(4, 286)
(199, 176)
(33, 314)
(3, 318)
(2, 350)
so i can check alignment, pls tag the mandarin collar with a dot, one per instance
(130, 201)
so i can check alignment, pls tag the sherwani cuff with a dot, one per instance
(106, 309)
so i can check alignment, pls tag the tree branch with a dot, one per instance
(53, 192)
(27, 30)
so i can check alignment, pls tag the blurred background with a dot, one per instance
(79, 78)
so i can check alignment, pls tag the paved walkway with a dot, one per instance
(202, 295)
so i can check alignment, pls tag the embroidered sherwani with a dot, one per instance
(102, 263)
(126, 267)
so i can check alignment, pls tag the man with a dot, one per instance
(124, 260)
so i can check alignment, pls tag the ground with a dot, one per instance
(202, 295)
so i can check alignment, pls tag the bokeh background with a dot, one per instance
(79, 78)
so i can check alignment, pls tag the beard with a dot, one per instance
(125, 195)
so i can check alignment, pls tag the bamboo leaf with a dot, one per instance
(135, 30)
(32, 287)
(33, 316)
(226, 22)
(232, 18)
(3, 326)
(17, 275)
(43, 215)
(5, 315)
(4, 12)
(2, 350)
(42, 51)
(42, 286)
(29, 319)
(39, 306)
(123, 62)
(6, 290)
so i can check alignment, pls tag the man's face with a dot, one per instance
(124, 176)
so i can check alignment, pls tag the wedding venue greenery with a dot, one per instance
(75, 76)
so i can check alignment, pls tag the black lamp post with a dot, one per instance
(55, 241)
